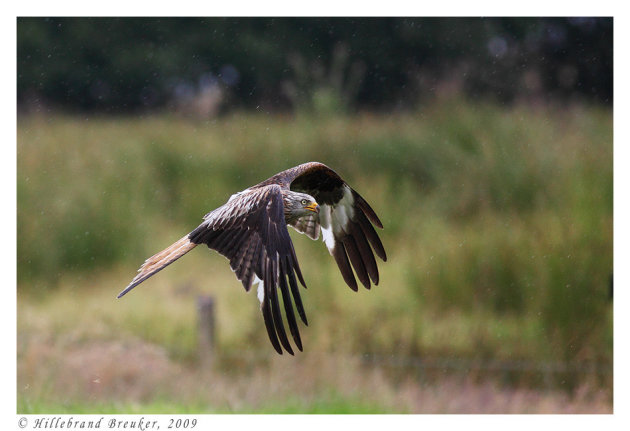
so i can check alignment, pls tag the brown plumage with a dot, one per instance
(251, 231)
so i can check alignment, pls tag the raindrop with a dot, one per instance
(229, 75)
(497, 46)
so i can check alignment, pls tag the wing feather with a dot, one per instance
(356, 260)
(364, 250)
(308, 225)
(295, 291)
(339, 253)
(345, 220)
(269, 325)
(253, 235)
(367, 209)
(288, 306)
(251, 231)
(271, 295)
(372, 236)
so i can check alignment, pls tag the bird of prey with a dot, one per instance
(251, 231)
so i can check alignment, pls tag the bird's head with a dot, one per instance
(298, 205)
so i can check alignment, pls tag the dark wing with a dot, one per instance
(344, 218)
(251, 231)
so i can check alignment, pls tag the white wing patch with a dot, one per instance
(328, 237)
(334, 218)
(260, 290)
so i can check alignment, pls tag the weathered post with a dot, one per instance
(206, 338)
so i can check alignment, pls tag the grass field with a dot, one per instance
(498, 227)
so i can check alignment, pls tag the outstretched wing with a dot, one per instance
(251, 231)
(344, 218)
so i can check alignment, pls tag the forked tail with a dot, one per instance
(159, 261)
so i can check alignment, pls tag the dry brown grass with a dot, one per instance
(504, 254)
(130, 373)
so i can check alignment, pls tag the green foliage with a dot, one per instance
(320, 91)
(330, 404)
(498, 225)
(326, 65)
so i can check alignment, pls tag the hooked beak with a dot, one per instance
(313, 207)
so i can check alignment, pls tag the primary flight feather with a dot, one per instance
(251, 231)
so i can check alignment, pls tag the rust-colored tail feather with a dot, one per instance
(159, 261)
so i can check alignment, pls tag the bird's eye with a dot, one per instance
(303, 201)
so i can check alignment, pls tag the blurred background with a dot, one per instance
(484, 145)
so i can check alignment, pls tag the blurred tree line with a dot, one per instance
(127, 64)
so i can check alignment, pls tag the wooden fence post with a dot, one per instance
(206, 338)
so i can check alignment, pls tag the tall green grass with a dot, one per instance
(498, 221)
